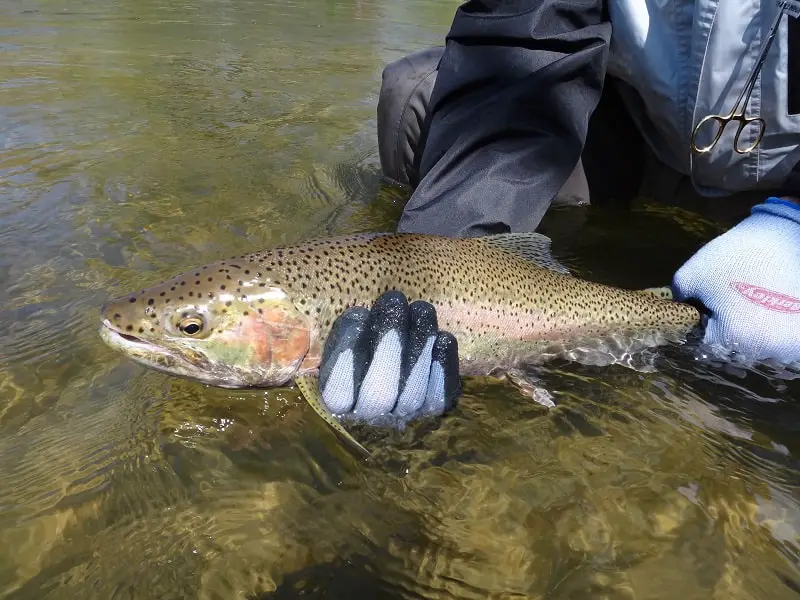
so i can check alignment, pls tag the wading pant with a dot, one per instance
(514, 115)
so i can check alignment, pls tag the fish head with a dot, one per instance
(214, 325)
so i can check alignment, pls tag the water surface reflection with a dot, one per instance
(140, 138)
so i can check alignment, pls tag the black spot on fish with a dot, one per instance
(129, 328)
(132, 300)
(151, 302)
(117, 316)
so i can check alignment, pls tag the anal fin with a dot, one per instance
(526, 385)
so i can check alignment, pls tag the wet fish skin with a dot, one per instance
(263, 317)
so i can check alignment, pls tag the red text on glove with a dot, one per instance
(767, 298)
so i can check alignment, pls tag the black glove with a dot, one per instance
(390, 360)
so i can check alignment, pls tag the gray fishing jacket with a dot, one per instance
(691, 58)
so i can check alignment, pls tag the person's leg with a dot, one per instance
(516, 85)
(609, 173)
(614, 155)
(406, 87)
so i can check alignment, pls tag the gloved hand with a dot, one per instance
(749, 280)
(390, 360)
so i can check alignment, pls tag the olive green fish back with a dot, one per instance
(479, 288)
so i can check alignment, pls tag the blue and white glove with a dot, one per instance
(749, 280)
(390, 360)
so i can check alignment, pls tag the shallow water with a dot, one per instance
(140, 138)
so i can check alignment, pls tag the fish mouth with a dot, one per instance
(112, 336)
(131, 338)
(144, 352)
(194, 366)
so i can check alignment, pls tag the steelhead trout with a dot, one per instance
(261, 319)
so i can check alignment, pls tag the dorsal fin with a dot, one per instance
(530, 246)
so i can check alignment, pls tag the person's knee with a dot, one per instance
(406, 88)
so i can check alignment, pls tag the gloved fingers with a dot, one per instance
(444, 382)
(390, 359)
(386, 336)
(684, 283)
(345, 358)
(422, 330)
(725, 331)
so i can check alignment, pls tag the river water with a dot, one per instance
(138, 139)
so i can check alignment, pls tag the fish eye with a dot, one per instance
(191, 325)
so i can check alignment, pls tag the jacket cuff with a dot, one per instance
(779, 208)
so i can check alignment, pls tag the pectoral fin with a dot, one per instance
(309, 388)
